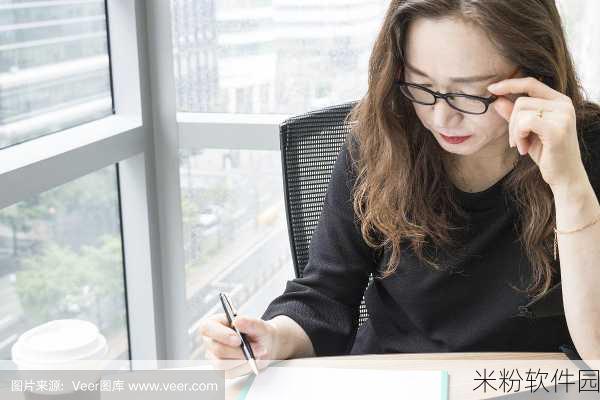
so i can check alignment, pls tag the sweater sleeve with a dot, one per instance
(325, 300)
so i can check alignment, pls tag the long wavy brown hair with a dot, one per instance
(402, 193)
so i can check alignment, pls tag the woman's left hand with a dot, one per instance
(542, 125)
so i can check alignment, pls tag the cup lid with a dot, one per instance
(59, 341)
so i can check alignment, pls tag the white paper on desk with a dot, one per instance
(302, 383)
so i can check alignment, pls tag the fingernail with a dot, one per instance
(492, 86)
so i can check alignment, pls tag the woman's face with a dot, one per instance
(449, 55)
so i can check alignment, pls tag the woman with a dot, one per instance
(451, 200)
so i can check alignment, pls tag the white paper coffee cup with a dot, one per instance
(65, 344)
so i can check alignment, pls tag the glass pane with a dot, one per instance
(271, 56)
(467, 104)
(583, 31)
(61, 257)
(235, 232)
(54, 67)
(417, 94)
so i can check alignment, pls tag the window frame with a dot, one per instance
(122, 139)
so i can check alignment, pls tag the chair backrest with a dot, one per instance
(310, 144)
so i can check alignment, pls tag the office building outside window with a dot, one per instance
(54, 67)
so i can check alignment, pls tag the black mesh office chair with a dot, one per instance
(310, 144)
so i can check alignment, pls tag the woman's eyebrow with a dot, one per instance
(467, 79)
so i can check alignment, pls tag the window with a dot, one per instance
(283, 48)
(73, 173)
(54, 67)
(582, 36)
(61, 257)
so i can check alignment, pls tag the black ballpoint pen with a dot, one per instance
(246, 349)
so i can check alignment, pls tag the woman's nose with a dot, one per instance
(443, 114)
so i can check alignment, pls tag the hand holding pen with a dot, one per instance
(245, 345)
(223, 345)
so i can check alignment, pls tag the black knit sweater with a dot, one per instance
(469, 307)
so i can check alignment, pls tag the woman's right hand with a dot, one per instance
(223, 343)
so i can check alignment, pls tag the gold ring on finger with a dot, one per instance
(540, 113)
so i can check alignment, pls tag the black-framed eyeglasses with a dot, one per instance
(465, 103)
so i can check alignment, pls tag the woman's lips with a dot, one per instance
(454, 139)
